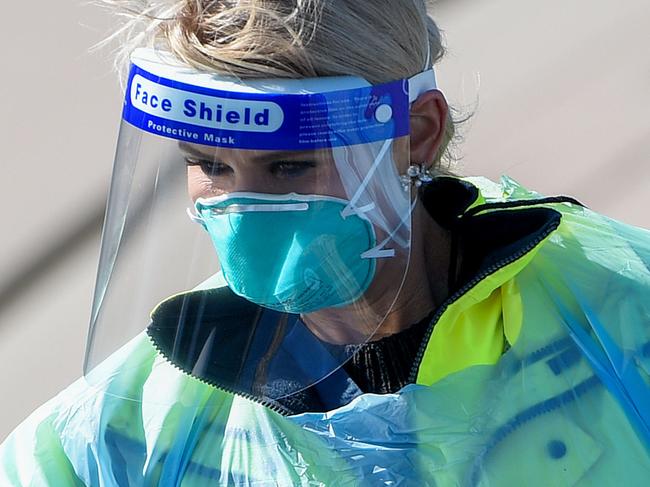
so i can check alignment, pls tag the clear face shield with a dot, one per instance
(296, 185)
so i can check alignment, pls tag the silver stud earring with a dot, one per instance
(416, 175)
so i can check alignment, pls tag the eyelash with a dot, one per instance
(287, 169)
(291, 168)
(210, 168)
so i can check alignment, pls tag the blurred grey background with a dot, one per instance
(560, 92)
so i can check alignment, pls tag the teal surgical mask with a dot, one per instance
(291, 253)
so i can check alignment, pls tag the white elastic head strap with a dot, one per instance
(424, 81)
(421, 83)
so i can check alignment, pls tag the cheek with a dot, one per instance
(335, 186)
(198, 184)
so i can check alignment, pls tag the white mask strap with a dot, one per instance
(195, 217)
(351, 208)
(378, 251)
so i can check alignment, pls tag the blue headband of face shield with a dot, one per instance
(177, 102)
(318, 251)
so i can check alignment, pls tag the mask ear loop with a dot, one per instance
(195, 217)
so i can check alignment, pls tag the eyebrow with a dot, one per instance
(274, 155)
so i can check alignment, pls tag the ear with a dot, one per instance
(428, 122)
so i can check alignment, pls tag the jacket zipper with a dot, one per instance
(266, 403)
(473, 282)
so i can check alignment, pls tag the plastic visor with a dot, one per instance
(299, 233)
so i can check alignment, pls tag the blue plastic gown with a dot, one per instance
(568, 403)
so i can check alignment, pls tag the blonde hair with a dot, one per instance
(378, 40)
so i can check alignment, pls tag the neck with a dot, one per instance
(423, 288)
(425, 284)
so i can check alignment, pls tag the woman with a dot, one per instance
(375, 322)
